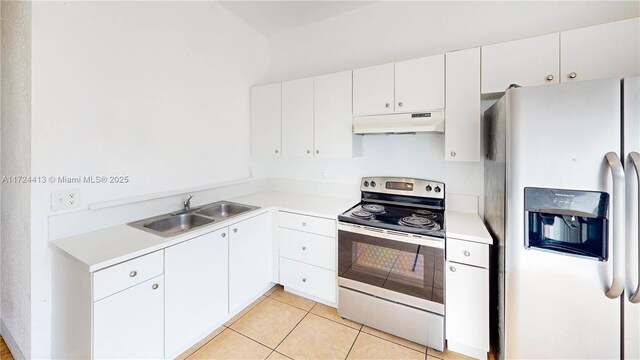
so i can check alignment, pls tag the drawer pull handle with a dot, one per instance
(304, 279)
(224, 234)
(133, 273)
(235, 230)
(304, 224)
(154, 286)
(452, 269)
(466, 253)
(304, 248)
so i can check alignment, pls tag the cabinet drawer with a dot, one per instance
(311, 224)
(308, 248)
(122, 276)
(467, 252)
(308, 279)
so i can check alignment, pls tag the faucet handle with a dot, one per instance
(187, 203)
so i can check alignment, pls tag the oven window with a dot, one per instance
(410, 269)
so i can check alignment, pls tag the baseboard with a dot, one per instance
(467, 350)
(11, 344)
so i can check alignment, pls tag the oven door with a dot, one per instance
(398, 267)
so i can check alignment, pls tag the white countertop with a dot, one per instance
(466, 226)
(106, 247)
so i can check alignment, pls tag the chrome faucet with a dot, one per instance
(187, 203)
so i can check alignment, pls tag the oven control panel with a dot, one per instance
(403, 186)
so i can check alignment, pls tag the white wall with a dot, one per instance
(388, 31)
(15, 201)
(158, 91)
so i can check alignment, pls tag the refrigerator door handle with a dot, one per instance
(617, 173)
(635, 160)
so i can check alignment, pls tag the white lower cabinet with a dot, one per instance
(249, 260)
(467, 300)
(196, 290)
(130, 324)
(307, 250)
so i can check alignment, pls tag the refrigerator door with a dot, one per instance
(631, 91)
(557, 305)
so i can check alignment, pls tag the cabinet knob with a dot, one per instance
(452, 269)
(317, 151)
(304, 248)
(549, 77)
(400, 104)
(235, 230)
(133, 273)
(308, 151)
(466, 253)
(304, 279)
(573, 75)
(453, 154)
(224, 235)
(387, 105)
(304, 224)
(277, 151)
(155, 286)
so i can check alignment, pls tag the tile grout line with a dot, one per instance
(252, 339)
(393, 342)
(289, 333)
(210, 340)
(353, 344)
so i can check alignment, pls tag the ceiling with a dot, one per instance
(273, 17)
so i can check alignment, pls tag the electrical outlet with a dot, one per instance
(65, 199)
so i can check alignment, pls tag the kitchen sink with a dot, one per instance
(224, 210)
(168, 225)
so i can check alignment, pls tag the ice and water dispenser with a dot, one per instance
(569, 222)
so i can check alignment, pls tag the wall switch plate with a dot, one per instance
(65, 199)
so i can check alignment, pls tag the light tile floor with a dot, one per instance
(281, 325)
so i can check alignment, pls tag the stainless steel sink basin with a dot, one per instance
(182, 222)
(170, 225)
(224, 210)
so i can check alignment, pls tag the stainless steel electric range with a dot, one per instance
(391, 259)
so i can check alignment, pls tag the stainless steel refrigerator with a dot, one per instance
(561, 182)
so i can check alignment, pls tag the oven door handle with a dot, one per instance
(635, 161)
(617, 173)
(423, 240)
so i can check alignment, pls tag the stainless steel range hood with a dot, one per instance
(424, 122)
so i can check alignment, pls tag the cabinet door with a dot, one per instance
(462, 115)
(130, 324)
(333, 120)
(467, 308)
(609, 50)
(266, 120)
(249, 259)
(373, 89)
(196, 290)
(297, 118)
(419, 84)
(527, 62)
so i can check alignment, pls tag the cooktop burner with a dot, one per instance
(362, 214)
(419, 222)
(373, 208)
(425, 213)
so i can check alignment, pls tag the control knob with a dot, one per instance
(428, 188)
(437, 189)
(366, 184)
(373, 183)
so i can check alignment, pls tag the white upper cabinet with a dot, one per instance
(333, 121)
(297, 118)
(196, 290)
(462, 116)
(373, 89)
(609, 50)
(419, 84)
(527, 62)
(266, 120)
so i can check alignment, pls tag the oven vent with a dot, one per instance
(373, 229)
(390, 232)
